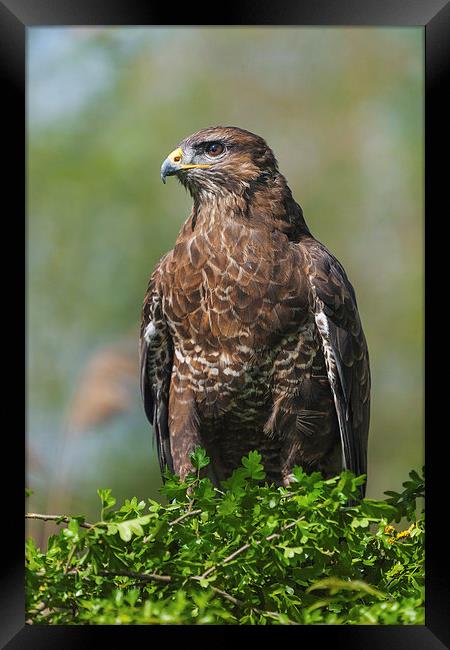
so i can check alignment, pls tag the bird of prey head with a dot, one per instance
(220, 159)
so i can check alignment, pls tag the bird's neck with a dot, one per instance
(266, 202)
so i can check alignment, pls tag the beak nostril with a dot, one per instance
(177, 159)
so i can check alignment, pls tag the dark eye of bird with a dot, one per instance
(214, 149)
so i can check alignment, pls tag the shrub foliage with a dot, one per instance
(250, 553)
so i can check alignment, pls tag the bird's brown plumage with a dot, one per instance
(250, 333)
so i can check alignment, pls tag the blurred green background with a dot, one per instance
(343, 111)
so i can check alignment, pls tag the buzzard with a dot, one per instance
(250, 332)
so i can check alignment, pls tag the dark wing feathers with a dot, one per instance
(156, 360)
(345, 351)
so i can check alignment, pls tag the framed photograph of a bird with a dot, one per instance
(225, 298)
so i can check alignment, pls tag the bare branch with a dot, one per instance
(186, 514)
(246, 546)
(66, 519)
(147, 577)
(63, 519)
(139, 576)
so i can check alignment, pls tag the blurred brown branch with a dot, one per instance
(105, 387)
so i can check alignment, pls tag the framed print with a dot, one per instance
(271, 344)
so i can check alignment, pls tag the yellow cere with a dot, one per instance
(176, 155)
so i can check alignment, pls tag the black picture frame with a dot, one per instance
(434, 16)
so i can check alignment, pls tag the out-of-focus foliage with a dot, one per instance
(248, 553)
(342, 109)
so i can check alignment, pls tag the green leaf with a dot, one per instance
(289, 552)
(131, 596)
(228, 505)
(126, 529)
(334, 585)
(237, 481)
(252, 464)
(378, 509)
(107, 500)
(199, 459)
(361, 522)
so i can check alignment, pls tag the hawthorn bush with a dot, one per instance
(249, 553)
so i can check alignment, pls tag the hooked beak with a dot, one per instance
(173, 164)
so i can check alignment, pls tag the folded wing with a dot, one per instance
(156, 360)
(345, 350)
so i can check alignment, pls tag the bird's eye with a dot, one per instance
(214, 149)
